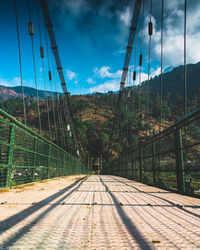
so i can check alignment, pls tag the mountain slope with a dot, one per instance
(173, 81)
(15, 92)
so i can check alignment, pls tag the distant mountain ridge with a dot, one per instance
(173, 81)
(16, 92)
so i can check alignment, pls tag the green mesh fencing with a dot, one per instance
(169, 160)
(25, 156)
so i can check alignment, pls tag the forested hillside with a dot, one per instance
(93, 114)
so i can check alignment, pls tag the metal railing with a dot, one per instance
(170, 159)
(26, 156)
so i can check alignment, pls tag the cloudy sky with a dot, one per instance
(92, 37)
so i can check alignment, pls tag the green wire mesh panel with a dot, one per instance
(170, 160)
(25, 156)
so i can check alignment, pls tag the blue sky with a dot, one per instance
(92, 37)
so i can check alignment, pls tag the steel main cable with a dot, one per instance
(125, 68)
(43, 69)
(54, 46)
(31, 32)
(20, 62)
(50, 80)
(56, 99)
(58, 102)
(60, 113)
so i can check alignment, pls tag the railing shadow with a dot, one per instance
(163, 199)
(126, 220)
(175, 219)
(13, 220)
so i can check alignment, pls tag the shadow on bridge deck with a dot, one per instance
(98, 212)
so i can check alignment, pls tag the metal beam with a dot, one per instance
(133, 29)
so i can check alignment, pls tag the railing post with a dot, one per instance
(67, 164)
(64, 165)
(140, 162)
(132, 166)
(10, 157)
(49, 162)
(57, 165)
(35, 157)
(179, 161)
(117, 172)
(154, 163)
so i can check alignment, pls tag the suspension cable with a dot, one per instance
(140, 59)
(185, 82)
(125, 68)
(43, 68)
(185, 66)
(161, 65)
(150, 31)
(31, 32)
(20, 62)
(134, 72)
(50, 80)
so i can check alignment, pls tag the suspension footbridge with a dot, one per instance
(145, 195)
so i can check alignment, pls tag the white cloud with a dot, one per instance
(144, 77)
(112, 79)
(119, 52)
(75, 6)
(110, 85)
(17, 81)
(104, 72)
(4, 82)
(155, 72)
(90, 80)
(71, 75)
(125, 16)
(173, 36)
(10, 82)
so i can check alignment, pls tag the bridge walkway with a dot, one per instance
(97, 212)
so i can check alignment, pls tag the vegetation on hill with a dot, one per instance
(93, 114)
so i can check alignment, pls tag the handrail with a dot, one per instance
(168, 130)
(12, 119)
